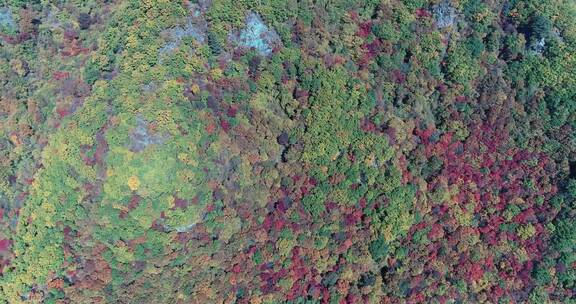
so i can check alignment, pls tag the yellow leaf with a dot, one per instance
(195, 89)
(133, 183)
(216, 73)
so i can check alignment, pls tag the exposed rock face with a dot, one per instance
(444, 14)
(7, 23)
(140, 138)
(195, 27)
(257, 35)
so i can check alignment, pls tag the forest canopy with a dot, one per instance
(288, 151)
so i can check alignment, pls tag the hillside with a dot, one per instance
(288, 151)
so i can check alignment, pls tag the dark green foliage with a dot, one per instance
(378, 249)
(571, 188)
(213, 42)
(432, 167)
(414, 4)
(565, 235)
(92, 72)
(541, 274)
(493, 40)
(314, 203)
(475, 46)
(22, 3)
(461, 67)
(479, 15)
(539, 27)
(386, 31)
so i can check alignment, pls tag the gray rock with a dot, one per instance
(539, 46)
(7, 23)
(444, 14)
(140, 138)
(256, 35)
(195, 27)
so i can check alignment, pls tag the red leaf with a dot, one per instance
(4, 244)
(60, 75)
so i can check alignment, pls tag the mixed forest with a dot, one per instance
(287, 151)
